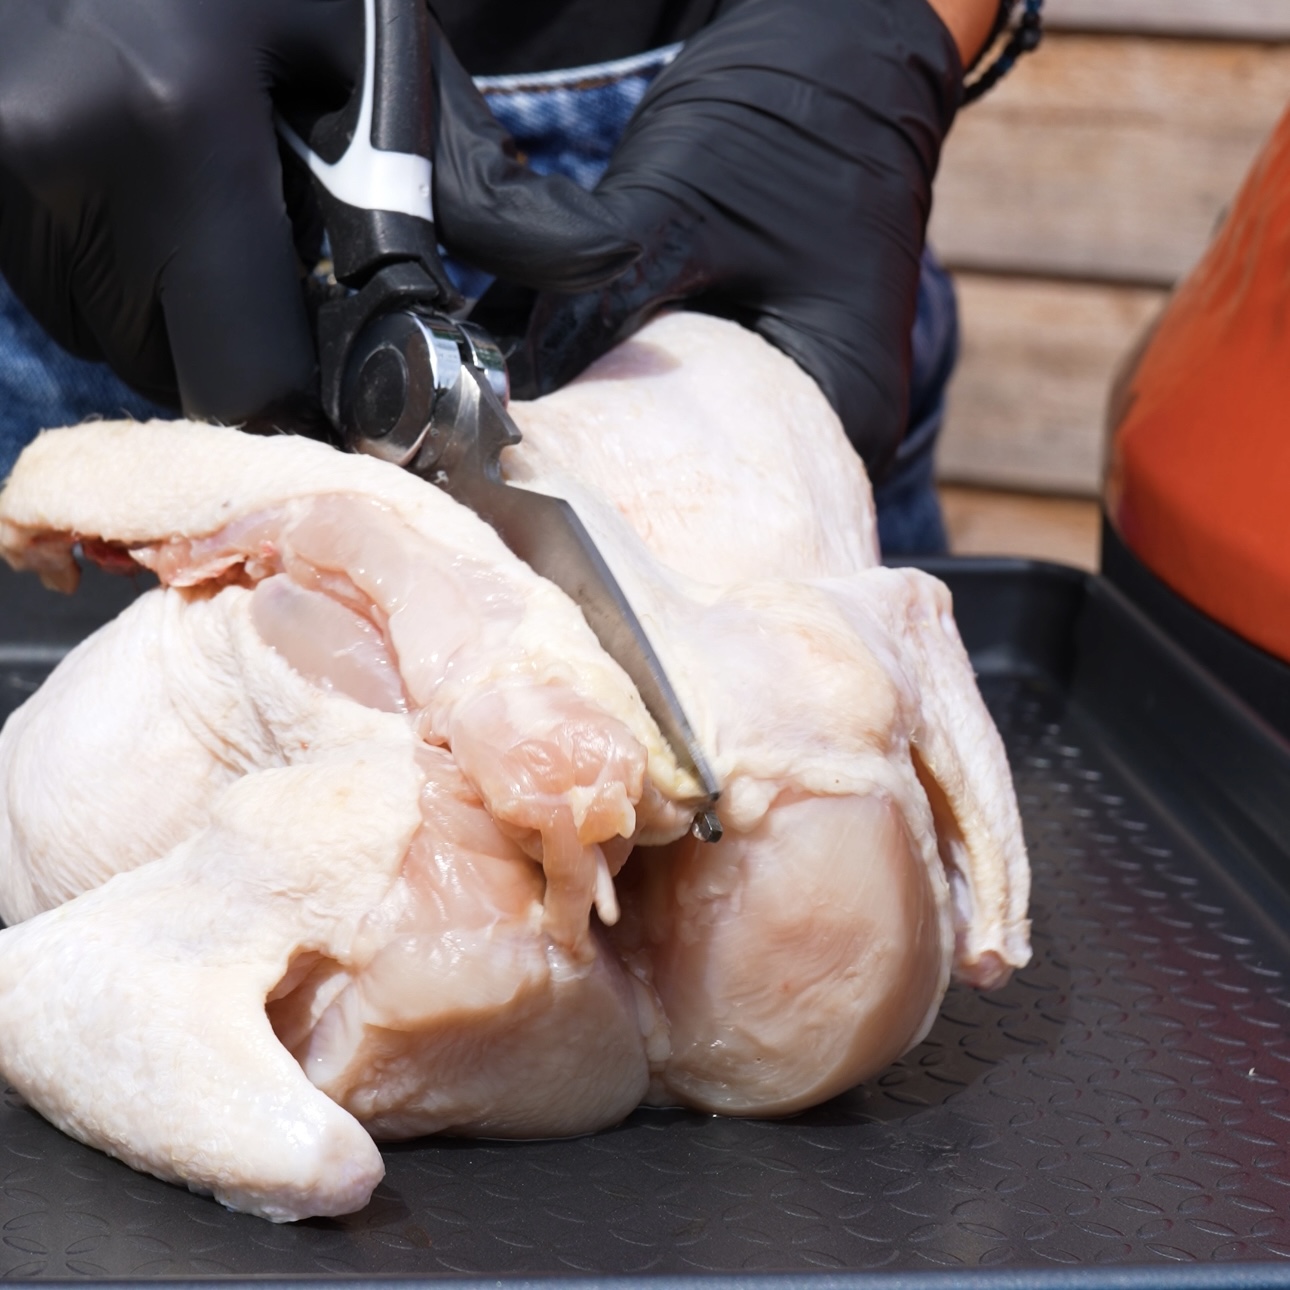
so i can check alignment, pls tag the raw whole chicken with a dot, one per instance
(351, 830)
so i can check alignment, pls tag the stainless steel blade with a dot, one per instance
(546, 533)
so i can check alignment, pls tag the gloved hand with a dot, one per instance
(142, 218)
(779, 172)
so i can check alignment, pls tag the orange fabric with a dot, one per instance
(1199, 484)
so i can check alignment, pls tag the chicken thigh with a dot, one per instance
(448, 841)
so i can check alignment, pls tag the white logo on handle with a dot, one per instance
(365, 177)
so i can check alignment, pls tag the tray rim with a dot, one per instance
(1163, 1276)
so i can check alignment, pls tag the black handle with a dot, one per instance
(403, 102)
(396, 111)
(377, 153)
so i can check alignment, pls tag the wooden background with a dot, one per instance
(1072, 197)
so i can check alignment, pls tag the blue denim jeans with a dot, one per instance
(42, 385)
(909, 510)
(566, 122)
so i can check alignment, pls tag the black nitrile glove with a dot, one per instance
(142, 218)
(779, 172)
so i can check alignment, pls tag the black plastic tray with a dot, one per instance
(1119, 1111)
(1259, 678)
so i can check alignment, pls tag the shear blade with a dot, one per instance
(546, 533)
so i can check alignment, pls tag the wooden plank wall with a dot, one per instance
(1073, 197)
(1223, 19)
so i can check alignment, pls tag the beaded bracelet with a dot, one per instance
(1025, 37)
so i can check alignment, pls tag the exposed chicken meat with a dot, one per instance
(364, 777)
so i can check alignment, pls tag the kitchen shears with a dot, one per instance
(407, 382)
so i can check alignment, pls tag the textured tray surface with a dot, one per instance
(1124, 1100)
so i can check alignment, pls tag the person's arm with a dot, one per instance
(970, 22)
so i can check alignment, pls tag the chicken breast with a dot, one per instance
(448, 843)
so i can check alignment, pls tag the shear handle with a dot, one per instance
(372, 162)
